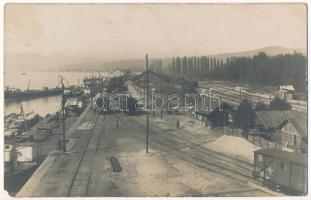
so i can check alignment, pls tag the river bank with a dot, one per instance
(46, 136)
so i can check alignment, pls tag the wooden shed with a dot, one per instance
(219, 116)
(287, 169)
(286, 92)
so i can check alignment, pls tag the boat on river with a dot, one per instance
(13, 94)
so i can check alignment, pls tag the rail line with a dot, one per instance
(234, 96)
(81, 158)
(87, 158)
(200, 156)
(178, 146)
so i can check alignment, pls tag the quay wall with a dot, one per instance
(34, 180)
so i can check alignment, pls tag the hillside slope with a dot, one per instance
(31, 62)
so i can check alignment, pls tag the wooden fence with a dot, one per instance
(256, 140)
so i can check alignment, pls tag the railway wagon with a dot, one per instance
(286, 169)
(100, 103)
(128, 105)
(114, 103)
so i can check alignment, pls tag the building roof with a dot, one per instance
(215, 106)
(273, 119)
(284, 155)
(287, 87)
(300, 125)
(207, 110)
(270, 119)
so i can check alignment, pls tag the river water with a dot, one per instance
(45, 105)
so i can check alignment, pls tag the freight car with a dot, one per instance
(281, 168)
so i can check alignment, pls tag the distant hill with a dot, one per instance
(139, 64)
(272, 51)
(31, 62)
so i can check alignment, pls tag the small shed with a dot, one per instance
(284, 168)
(219, 116)
(286, 92)
(201, 117)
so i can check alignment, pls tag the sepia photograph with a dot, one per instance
(155, 99)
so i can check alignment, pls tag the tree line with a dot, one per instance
(194, 66)
(261, 69)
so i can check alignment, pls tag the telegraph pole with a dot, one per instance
(139, 86)
(63, 110)
(161, 85)
(147, 101)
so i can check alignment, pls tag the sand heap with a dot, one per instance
(235, 146)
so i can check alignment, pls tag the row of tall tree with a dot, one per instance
(261, 69)
(288, 69)
(194, 65)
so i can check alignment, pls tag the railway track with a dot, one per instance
(163, 140)
(80, 182)
(109, 155)
(234, 96)
(83, 170)
(193, 153)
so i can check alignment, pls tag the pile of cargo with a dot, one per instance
(75, 104)
(15, 124)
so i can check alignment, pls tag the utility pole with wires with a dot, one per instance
(161, 85)
(63, 112)
(139, 85)
(28, 87)
(24, 119)
(147, 106)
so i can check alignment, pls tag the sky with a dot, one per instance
(108, 32)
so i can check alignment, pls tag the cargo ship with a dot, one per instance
(15, 124)
(21, 159)
(14, 94)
